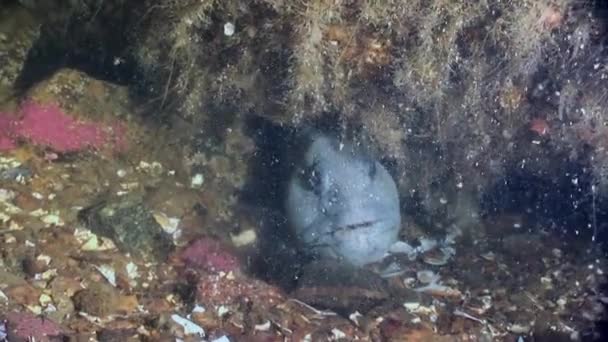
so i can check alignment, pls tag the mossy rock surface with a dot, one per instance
(131, 225)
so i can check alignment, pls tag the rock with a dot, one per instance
(108, 335)
(214, 290)
(22, 28)
(131, 225)
(341, 288)
(76, 92)
(208, 254)
(62, 289)
(28, 327)
(48, 126)
(69, 112)
(23, 294)
(98, 300)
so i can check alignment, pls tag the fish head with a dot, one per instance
(342, 203)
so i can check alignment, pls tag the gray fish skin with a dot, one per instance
(342, 204)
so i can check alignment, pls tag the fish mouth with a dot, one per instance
(359, 225)
(338, 232)
(356, 226)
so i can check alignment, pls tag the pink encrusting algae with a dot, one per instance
(208, 254)
(6, 131)
(48, 126)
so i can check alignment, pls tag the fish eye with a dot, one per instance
(311, 177)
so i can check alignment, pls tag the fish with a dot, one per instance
(342, 203)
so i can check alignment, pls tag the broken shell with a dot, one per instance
(262, 327)
(3, 297)
(480, 305)
(132, 274)
(338, 334)
(489, 256)
(435, 289)
(426, 245)
(392, 270)
(401, 247)
(190, 328)
(518, 329)
(415, 307)
(168, 224)
(4, 218)
(46, 275)
(243, 238)
(91, 242)
(45, 259)
(38, 212)
(52, 220)
(197, 181)
(409, 281)
(107, 272)
(222, 311)
(7, 195)
(45, 299)
(427, 276)
(435, 257)
(354, 317)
